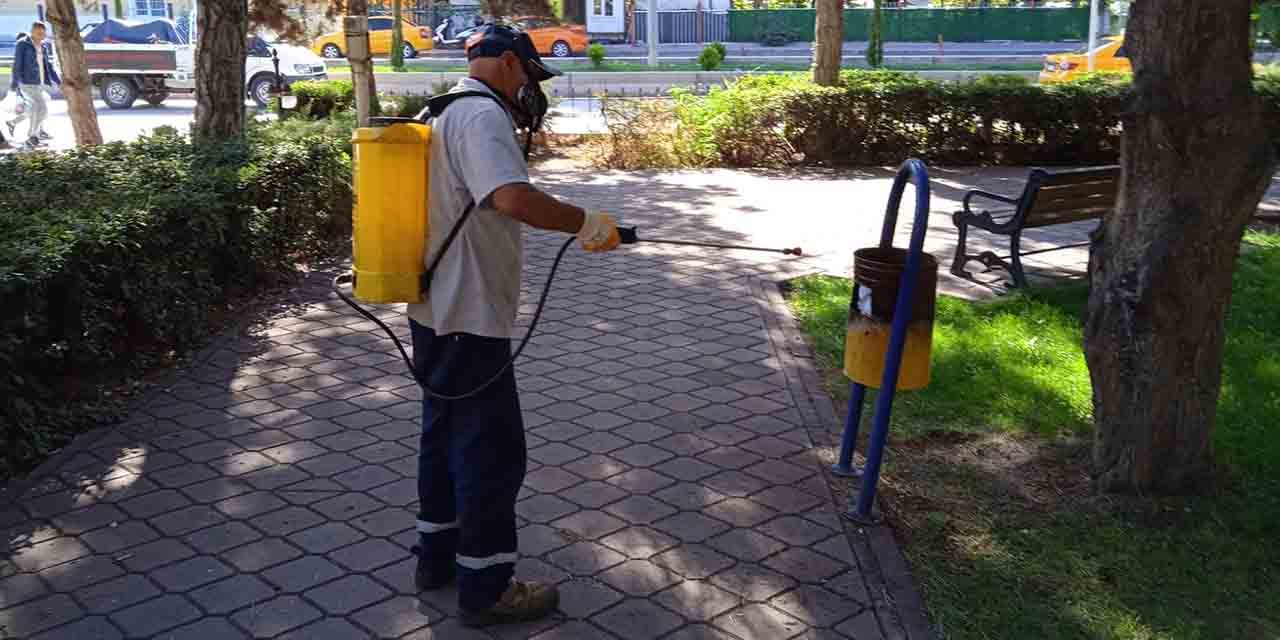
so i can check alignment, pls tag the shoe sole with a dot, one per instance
(476, 620)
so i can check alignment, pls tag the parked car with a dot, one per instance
(1065, 67)
(330, 45)
(129, 60)
(551, 38)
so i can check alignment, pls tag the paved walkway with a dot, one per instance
(674, 489)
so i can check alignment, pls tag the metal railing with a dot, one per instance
(684, 27)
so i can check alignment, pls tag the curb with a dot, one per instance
(899, 608)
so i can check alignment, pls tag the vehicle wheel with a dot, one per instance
(331, 51)
(156, 99)
(260, 89)
(561, 49)
(408, 51)
(118, 93)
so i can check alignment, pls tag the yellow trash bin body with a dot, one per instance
(877, 274)
(390, 167)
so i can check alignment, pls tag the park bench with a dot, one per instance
(1049, 198)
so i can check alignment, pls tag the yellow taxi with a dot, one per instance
(330, 45)
(551, 38)
(1065, 67)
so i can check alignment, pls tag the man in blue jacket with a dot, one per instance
(32, 72)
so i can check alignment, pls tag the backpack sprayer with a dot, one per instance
(391, 167)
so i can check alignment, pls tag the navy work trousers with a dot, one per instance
(471, 463)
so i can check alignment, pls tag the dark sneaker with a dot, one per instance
(45, 136)
(34, 143)
(425, 579)
(521, 602)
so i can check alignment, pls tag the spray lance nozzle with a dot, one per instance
(630, 235)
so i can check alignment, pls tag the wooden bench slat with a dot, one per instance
(1077, 176)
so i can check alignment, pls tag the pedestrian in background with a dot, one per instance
(32, 72)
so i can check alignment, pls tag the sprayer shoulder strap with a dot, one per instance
(435, 107)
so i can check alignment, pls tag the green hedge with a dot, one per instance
(117, 256)
(919, 25)
(882, 117)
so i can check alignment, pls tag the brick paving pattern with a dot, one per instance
(268, 490)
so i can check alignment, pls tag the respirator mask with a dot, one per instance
(529, 109)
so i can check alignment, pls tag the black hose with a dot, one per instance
(533, 324)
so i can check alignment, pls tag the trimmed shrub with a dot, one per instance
(319, 98)
(596, 53)
(710, 58)
(125, 255)
(881, 117)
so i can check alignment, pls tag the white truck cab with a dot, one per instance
(124, 72)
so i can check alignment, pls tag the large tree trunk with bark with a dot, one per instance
(220, 55)
(1195, 166)
(75, 74)
(830, 42)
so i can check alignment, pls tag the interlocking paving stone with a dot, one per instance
(276, 616)
(817, 606)
(49, 553)
(694, 561)
(639, 577)
(697, 600)
(367, 555)
(155, 616)
(191, 573)
(233, 593)
(752, 581)
(90, 628)
(111, 539)
(259, 555)
(760, 621)
(205, 629)
(699, 632)
(583, 597)
(637, 619)
(116, 594)
(303, 573)
(25, 620)
(347, 595)
(745, 544)
(585, 558)
(396, 617)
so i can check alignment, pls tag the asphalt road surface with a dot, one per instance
(574, 116)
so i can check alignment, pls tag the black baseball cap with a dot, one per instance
(493, 40)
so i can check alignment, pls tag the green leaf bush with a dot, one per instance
(122, 255)
(878, 117)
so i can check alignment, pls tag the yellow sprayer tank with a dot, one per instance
(389, 222)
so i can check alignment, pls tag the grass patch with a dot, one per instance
(987, 477)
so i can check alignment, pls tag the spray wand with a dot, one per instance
(629, 235)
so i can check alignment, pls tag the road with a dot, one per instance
(894, 51)
(573, 116)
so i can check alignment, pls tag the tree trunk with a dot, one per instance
(830, 42)
(75, 74)
(363, 68)
(220, 55)
(875, 39)
(397, 37)
(1195, 168)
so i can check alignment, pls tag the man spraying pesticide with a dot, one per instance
(458, 167)
(462, 309)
